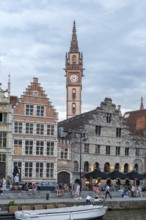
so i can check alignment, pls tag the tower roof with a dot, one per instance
(141, 104)
(74, 42)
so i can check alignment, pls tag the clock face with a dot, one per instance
(74, 78)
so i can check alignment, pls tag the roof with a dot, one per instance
(136, 121)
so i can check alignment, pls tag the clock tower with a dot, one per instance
(74, 73)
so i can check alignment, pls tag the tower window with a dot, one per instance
(74, 108)
(73, 93)
(73, 59)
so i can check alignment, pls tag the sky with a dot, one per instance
(36, 34)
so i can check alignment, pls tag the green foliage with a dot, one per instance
(144, 188)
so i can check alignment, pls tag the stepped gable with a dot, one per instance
(136, 122)
(34, 93)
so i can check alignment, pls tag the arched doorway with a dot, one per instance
(63, 177)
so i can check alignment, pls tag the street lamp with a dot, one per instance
(82, 135)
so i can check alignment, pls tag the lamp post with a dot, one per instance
(82, 135)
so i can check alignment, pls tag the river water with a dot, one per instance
(122, 215)
(126, 215)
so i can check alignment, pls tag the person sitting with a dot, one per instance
(88, 200)
(34, 188)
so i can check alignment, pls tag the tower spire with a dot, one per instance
(74, 42)
(141, 104)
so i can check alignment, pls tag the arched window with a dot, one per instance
(74, 59)
(73, 108)
(73, 93)
(75, 166)
(126, 168)
(117, 166)
(136, 167)
(107, 167)
(86, 166)
(96, 166)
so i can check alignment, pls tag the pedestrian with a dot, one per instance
(132, 190)
(107, 192)
(77, 191)
(16, 179)
(4, 184)
(139, 191)
(88, 200)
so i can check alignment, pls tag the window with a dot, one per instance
(3, 117)
(17, 146)
(86, 166)
(39, 147)
(28, 147)
(118, 132)
(107, 150)
(64, 153)
(98, 130)
(18, 127)
(40, 111)
(117, 166)
(28, 169)
(117, 150)
(29, 128)
(50, 148)
(73, 93)
(75, 166)
(3, 139)
(96, 166)
(126, 151)
(108, 118)
(50, 170)
(2, 157)
(39, 170)
(29, 110)
(40, 129)
(35, 93)
(74, 59)
(126, 168)
(50, 130)
(97, 149)
(137, 152)
(73, 108)
(86, 148)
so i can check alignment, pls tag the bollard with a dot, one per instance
(47, 196)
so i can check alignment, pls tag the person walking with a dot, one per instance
(107, 192)
(77, 191)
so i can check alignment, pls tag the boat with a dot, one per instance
(66, 213)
